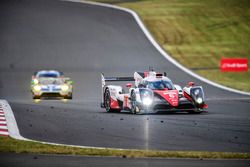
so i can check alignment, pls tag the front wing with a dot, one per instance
(162, 106)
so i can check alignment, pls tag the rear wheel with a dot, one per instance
(107, 102)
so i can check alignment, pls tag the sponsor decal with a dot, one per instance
(126, 102)
(170, 95)
(114, 104)
(234, 64)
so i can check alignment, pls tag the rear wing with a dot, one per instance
(138, 77)
(112, 79)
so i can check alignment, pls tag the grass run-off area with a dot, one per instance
(198, 33)
(17, 146)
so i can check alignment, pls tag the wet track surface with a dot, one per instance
(82, 41)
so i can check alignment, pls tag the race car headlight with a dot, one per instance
(35, 81)
(197, 95)
(197, 92)
(37, 88)
(199, 100)
(147, 101)
(146, 97)
(146, 94)
(65, 87)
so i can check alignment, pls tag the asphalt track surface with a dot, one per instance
(27, 160)
(82, 41)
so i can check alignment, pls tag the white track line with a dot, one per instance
(3, 123)
(158, 47)
(11, 121)
(225, 98)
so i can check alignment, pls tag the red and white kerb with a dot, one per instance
(3, 124)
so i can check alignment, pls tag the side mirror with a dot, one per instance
(129, 85)
(190, 83)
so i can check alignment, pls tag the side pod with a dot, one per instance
(111, 79)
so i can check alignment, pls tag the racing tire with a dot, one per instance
(107, 102)
(68, 97)
(133, 103)
(36, 97)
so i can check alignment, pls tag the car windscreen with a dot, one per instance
(160, 85)
(48, 75)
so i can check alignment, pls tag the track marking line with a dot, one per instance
(159, 48)
(223, 99)
(3, 123)
(10, 128)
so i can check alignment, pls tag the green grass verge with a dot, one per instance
(17, 146)
(198, 33)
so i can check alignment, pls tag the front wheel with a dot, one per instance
(134, 107)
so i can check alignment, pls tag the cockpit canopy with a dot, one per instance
(157, 85)
(48, 74)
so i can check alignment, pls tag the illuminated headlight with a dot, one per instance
(196, 92)
(146, 97)
(35, 81)
(147, 101)
(199, 100)
(65, 87)
(146, 93)
(37, 88)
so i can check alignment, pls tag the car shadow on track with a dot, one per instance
(157, 113)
